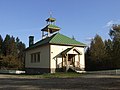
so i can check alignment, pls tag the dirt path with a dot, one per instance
(85, 82)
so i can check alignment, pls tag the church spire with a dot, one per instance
(51, 20)
(51, 28)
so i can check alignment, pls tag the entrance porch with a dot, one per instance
(71, 59)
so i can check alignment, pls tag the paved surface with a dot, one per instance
(85, 82)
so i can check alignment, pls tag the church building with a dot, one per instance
(54, 52)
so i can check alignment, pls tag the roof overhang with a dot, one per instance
(52, 28)
(69, 49)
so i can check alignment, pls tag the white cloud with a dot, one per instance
(90, 39)
(111, 22)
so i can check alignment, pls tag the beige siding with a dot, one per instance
(82, 57)
(44, 57)
(56, 59)
(55, 51)
(50, 57)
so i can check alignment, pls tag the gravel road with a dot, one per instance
(85, 82)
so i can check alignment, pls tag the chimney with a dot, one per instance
(31, 40)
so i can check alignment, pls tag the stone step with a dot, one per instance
(77, 69)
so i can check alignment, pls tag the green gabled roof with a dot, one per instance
(41, 42)
(62, 39)
(50, 26)
(53, 26)
(59, 39)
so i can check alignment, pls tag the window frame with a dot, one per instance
(35, 57)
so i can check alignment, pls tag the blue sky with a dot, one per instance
(82, 19)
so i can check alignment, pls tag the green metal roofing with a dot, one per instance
(59, 39)
(62, 39)
(51, 26)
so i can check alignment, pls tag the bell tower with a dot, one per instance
(50, 28)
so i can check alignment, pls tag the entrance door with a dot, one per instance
(71, 60)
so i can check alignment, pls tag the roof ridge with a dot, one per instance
(62, 39)
(59, 39)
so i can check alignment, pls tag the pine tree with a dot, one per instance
(20, 51)
(13, 51)
(97, 53)
(109, 52)
(88, 63)
(6, 47)
(115, 36)
(97, 48)
(1, 45)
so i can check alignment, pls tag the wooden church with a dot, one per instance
(54, 52)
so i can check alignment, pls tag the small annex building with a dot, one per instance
(55, 52)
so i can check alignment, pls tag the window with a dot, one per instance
(38, 57)
(31, 58)
(35, 57)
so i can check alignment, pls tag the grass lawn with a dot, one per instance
(54, 75)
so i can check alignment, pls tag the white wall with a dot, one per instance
(44, 57)
(82, 57)
(57, 49)
(48, 56)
